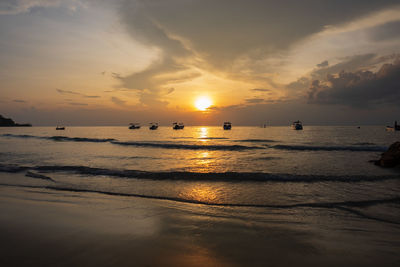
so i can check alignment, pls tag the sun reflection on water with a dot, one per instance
(203, 134)
(202, 193)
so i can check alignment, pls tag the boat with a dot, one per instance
(227, 125)
(177, 126)
(133, 126)
(297, 125)
(60, 128)
(396, 127)
(153, 126)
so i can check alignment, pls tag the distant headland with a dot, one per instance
(5, 122)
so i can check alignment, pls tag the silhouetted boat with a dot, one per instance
(133, 126)
(296, 125)
(393, 128)
(227, 125)
(153, 126)
(178, 126)
(60, 128)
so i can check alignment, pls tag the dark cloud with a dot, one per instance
(352, 63)
(170, 91)
(78, 104)
(260, 90)
(301, 84)
(19, 101)
(359, 89)
(220, 31)
(254, 100)
(116, 75)
(118, 101)
(67, 92)
(323, 64)
(390, 30)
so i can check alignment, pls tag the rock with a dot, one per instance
(391, 157)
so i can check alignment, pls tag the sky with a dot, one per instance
(98, 62)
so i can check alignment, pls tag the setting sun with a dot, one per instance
(203, 103)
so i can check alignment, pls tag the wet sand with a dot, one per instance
(41, 227)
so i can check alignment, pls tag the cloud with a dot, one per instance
(354, 63)
(170, 91)
(78, 104)
(255, 100)
(260, 90)
(118, 101)
(324, 63)
(13, 7)
(227, 38)
(387, 31)
(19, 101)
(360, 89)
(67, 92)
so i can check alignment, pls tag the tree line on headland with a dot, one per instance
(6, 122)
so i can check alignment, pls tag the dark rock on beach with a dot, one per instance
(391, 157)
(6, 122)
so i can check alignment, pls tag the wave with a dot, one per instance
(139, 144)
(331, 148)
(194, 176)
(268, 158)
(187, 146)
(257, 140)
(212, 138)
(62, 138)
(364, 144)
(342, 205)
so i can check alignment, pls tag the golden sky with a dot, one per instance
(92, 62)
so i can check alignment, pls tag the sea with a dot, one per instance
(324, 166)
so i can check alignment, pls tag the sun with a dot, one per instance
(203, 103)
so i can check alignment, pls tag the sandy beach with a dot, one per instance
(42, 227)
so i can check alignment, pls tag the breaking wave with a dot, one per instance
(138, 144)
(257, 140)
(186, 146)
(62, 138)
(194, 176)
(331, 148)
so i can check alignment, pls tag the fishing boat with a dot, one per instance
(227, 125)
(153, 126)
(396, 127)
(60, 128)
(297, 125)
(177, 126)
(134, 125)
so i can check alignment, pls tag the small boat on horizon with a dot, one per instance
(60, 128)
(227, 125)
(396, 127)
(134, 125)
(153, 126)
(297, 125)
(178, 126)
